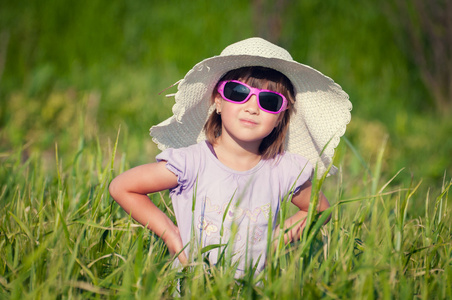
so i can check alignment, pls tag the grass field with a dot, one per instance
(63, 237)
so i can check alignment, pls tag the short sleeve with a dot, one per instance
(176, 162)
(297, 171)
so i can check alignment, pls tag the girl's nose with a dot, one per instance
(251, 105)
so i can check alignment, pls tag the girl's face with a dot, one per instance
(246, 122)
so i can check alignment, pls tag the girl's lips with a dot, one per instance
(248, 122)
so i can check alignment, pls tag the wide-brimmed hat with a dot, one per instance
(322, 107)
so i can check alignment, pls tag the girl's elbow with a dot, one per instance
(324, 206)
(328, 219)
(114, 189)
(329, 215)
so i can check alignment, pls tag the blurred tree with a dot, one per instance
(4, 38)
(268, 18)
(427, 27)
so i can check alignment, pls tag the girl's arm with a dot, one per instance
(130, 190)
(301, 199)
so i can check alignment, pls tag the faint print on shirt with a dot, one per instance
(209, 230)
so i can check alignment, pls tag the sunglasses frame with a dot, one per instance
(253, 91)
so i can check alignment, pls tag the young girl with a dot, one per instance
(248, 129)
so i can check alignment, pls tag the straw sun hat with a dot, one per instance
(322, 108)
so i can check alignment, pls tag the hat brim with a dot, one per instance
(322, 107)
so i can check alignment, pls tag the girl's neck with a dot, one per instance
(235, 155)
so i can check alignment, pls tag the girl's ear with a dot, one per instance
(280, 118)
(218, 101)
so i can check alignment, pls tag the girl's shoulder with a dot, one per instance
(290, 171)
(288, 158)
(184, 162)
(288, 162)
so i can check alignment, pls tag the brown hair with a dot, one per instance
(258, 77)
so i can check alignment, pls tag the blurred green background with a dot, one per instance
(73, 72)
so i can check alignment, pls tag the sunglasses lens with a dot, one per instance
(270, 101)
(235, 91)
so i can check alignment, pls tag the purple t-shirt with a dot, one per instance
(249, 199)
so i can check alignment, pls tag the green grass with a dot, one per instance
(62, 236)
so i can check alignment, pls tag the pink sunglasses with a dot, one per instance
(238, 92)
